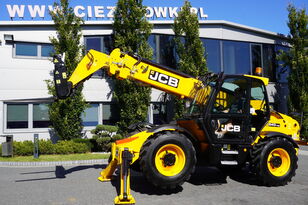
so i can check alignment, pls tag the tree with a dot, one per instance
(188, 47)
(65, 115)
(131, 31)
(296, 59)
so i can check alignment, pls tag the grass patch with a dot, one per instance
(50, 158)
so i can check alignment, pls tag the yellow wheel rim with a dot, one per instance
(170, 160)
(278, 162)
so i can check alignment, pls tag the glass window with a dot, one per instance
(236, 57)
(99, 43)
(90, 117)
(269, 65)
(159, 113)
(258, 101)
(111, 114)
(26, 49)
(107, 44)
(152, 43)
(17, 116)
(93, 43)
(47, 50)
(232, 96)
(282, 71)
(167, 54)
(212, 53)
(40, 116)
(256, 57)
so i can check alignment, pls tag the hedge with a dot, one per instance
(25, 148)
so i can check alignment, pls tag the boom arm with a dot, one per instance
(126, 66)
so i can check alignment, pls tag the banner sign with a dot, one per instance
(40, 12)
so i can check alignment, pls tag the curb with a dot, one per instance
(53, 163)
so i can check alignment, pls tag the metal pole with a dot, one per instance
(36, 146)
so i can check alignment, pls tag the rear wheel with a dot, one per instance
(168, 159)
(275, 162)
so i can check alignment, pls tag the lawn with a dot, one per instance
(49, 158)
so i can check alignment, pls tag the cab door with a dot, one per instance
(228, 115)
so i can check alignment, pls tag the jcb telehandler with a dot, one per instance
(229, 124)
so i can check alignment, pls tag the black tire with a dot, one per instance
(160, 167)
(275, 161)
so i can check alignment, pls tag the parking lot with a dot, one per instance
(61, 185)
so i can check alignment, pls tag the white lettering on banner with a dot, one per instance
(99, 12)
(150, 12)
(89, 12)
(53, 9)
(42, 11)
(173, 12)
(160, 11)
(20, 10)
(77, 13)
(111, 11)
(202, 15)
(36, 9)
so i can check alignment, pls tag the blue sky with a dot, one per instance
(269, 15)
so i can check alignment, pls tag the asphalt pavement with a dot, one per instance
(78, 185)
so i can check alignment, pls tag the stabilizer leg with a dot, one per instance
(106, 174)
(125, 197)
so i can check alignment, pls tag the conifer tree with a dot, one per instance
(65, 115)
(297, 61)
(189, 48)
(131, 31)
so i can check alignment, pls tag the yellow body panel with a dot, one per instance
(90, 63)
(280, 123)
(265, 80)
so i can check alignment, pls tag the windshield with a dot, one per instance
(196, 106)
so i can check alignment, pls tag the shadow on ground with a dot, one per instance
(203, 176)
(60, 172)
(208, 176)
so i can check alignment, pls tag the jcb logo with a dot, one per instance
(231, 128)
(163, 78)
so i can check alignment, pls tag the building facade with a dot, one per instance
(26, 65)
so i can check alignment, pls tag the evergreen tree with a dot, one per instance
(131, 31)
(297, 60)
(65, 115)
(189, 48)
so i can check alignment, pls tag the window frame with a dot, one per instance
(30, 128)
(38, 47)
(251, 59)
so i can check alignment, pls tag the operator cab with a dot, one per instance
(237, 110)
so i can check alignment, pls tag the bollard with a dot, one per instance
(36, 146)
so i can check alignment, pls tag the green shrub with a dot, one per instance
(24, 148)
(47, 147)
(105, 135)
(89, 142)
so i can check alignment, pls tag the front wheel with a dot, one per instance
(276, 162)
(168, 160)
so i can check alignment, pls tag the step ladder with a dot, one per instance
(228, 157)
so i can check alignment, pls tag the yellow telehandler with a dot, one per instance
(229, 124)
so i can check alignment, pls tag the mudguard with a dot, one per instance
(268, 134)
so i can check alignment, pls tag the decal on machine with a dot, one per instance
(273, 125)
(164, 79)
(230, 128)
